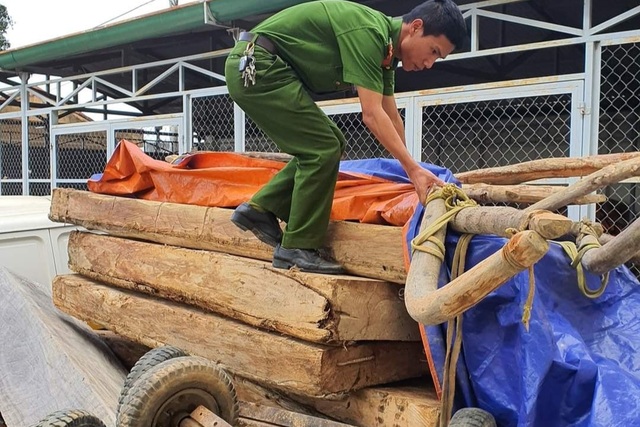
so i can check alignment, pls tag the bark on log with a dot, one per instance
(312, 307)
(272, 360)
(559, 167)
(528, 194)
(608, 175)
(606, 238)
(498, 219)
(616, 252)
(355, 246)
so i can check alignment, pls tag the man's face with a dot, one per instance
(418, 52)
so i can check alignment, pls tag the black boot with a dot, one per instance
(264, 225)
(308, 260)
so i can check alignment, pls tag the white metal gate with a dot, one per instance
(81, 150)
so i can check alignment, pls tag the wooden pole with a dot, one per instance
(606, 238)
(606, 176)
(616, 252)
(498, 219)
(559, 167)
(433, 307)
(488, 193)
(424, 271)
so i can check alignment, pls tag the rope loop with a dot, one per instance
(575, 255)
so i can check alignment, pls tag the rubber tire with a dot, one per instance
(472, 417)
(160, 383)
(150, 359)
(71, 418)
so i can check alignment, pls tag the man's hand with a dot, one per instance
(381, 125)
(423, 180)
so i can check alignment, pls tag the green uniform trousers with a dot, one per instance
(301, 194)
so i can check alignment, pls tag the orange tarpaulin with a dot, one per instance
(228, 179)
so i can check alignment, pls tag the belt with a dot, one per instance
(260, 40)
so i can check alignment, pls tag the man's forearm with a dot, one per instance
(391, 137)
(399, 127)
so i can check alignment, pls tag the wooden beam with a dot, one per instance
(279, 417)
(271, 359)
(313, 307)
(398, 406)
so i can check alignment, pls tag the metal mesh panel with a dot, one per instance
(212, 122)
(361, 144)
(10, 156)
(484, 134)
(256, 140)
(80, 155)
(157, 142)
(620, 130)
(39, 155)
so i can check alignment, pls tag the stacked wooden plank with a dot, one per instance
(162, 273)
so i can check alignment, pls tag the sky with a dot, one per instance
(39, 20)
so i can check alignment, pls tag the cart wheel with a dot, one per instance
(166, 394)
(151, 358)
(71, 418)
(472, 417)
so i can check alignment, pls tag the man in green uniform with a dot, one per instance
(319, 47)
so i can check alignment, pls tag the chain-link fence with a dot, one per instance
(11, 156)
(39, 164)
(620, 130)
(78, 156)
(212, 121)
(157, 141)
(483, 134)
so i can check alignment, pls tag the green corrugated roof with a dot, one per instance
(174, 20)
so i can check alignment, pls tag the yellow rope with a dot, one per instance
(455, 200)
(454, 345)
(575, 254)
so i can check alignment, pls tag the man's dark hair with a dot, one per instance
(440, 17)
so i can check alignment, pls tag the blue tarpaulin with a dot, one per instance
(579, 363)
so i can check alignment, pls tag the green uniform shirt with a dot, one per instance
(333, 44)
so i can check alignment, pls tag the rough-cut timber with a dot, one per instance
(312, 307)
(405, 406)
(487, 193)
(356, 246)
(367, 250)
(252, 414)
(608, 175)
(270, 359)
(559, 167)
